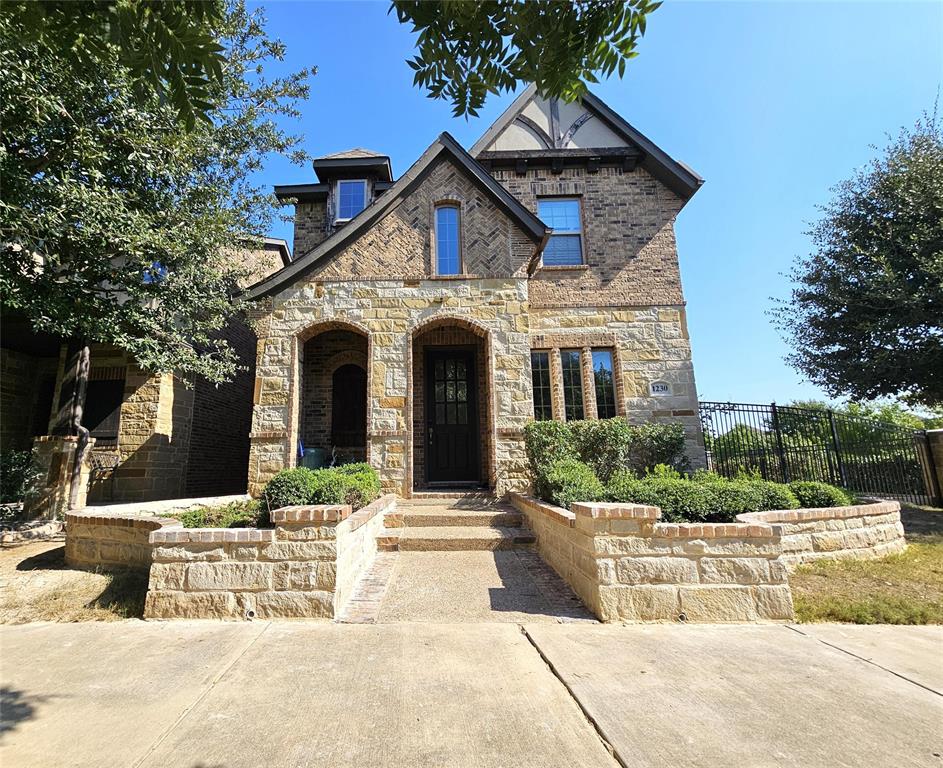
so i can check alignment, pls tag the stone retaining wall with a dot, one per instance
(625, 566)
(863, 531)
(96, 539)
(303, 568)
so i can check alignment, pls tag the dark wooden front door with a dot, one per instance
(451, 416)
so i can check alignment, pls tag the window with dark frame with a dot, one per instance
(604, 383)
(565, 246)
(447, 240)
(572, 384)
(540, 376)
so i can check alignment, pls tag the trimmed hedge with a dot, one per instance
(706, 497)
(569, 480)
(606, 445)
(812, 495)
(355, 484)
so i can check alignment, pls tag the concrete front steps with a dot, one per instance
(454, 522)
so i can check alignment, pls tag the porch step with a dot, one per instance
(428, 516)
(453, 537)
(472, 500)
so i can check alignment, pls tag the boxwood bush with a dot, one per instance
(355, 484)
(569, 480)
(812, 495)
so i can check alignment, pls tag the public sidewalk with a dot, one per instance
(135, 693)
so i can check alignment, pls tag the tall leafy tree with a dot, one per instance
(120, 217)
(468, 50)
(865, 318)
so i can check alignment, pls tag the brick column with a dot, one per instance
(556, 386)
(589, 384)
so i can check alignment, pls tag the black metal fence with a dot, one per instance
(783, 443)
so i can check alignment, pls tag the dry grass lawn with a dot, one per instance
(36, 585)
(900, 589)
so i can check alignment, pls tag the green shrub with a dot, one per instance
(290, 487)
(732, 498)
(775, 495)
(706, 477)
(17, 473)
(603, 444)
(812, 495)
(656, 444)
(622, 486)
(361, 487)
(546, 442)
(679, 500)
(569, 480)
(353, 468)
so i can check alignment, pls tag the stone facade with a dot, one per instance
(108, 539)
(626, 566)
(378, 288)
(862, 532)
(305, 568)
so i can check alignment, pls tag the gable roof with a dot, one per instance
(347, 154)
(444, 145)
(673, 174)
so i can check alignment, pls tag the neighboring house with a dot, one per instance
(425, 321)
(155, 438)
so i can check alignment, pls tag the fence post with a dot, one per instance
(783, 466)
(837, 445)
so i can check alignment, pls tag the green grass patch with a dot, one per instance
(235, 514)
(899, 589)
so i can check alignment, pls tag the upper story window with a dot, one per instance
(351, 198)
(562, 215)
(447, 240)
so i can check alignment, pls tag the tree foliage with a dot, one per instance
(168, 48)
(120, 220)
(467, 50)
(865, 317)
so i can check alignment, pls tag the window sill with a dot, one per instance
(563, 268)
(452, 277)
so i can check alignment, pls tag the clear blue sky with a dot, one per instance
(772, 103)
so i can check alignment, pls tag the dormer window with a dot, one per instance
(351, 198)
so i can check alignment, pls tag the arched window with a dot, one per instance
(447, 240)
(349, 407)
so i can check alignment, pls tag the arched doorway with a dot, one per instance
(333, 396)
(452, 441)
(349, 408)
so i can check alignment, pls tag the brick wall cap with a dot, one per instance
(823, 513)
(211, 535)
(312, 513)
(615, 511)
(120, 520)
(714, 531)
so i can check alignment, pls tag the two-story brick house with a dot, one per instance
(425, 320)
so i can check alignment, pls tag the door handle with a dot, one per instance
(430, 435)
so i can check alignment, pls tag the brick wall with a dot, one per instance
(400, 244)
(629, 243)
(448, 337)
(311, 227)
(218, 458)
(25, 397)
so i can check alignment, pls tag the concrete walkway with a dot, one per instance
(576, 694)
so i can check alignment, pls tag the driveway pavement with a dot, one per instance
(419, 694)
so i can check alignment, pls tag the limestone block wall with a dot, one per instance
(626, 566)
(391, 313)
(303, 568)
(96, 539)
(863, 532)
(650, 345)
